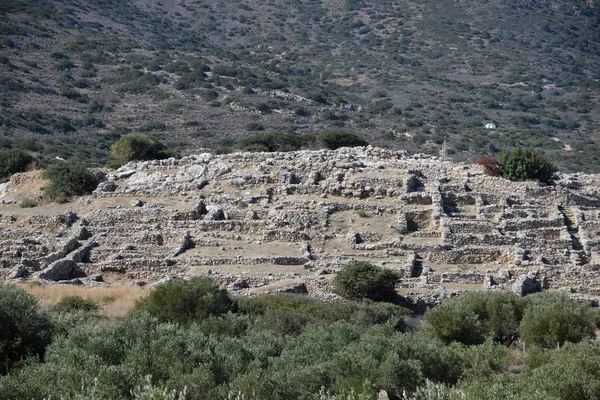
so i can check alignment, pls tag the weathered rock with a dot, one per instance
(240, 284)
(18, 272)
(383, 395)
(81, 233)
(106, 187)
(63, 248)
(298, 288)
(82, 254)
(526, 284)
(215, 214)
(61, 270)
(186, 243)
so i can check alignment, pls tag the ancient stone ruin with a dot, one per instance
(265, 222)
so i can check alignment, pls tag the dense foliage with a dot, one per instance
(184, 301)
(13, 161)
(521, 164)
(275, 142)
(24, 329)
(336, 139)
(74, 304)
(286, 346)
(67, 180)
(550, 320)
(476, 317)
(361, 279)
(139, 147)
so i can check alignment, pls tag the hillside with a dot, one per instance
(75, 75)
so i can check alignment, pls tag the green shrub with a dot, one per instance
(551, 319)
(270, 142)
(336, 139)
(67, 180)
(185, 301)
(476, 316)
(139, 147)
(290, 313)
(28, 203)
(74, 304)
(255, 126)
(14, 161)
(362, 280)
(522, 164)
(24, 329)
(569, 373)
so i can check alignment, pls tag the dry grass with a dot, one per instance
(115, 301)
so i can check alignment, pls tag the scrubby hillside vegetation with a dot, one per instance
(77, 75)
(191, 340)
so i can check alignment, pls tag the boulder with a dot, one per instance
(61, 270)
(297, 288)
(18, 272)
(215, 214)
(106, 187)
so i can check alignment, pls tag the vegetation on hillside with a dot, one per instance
(521, 164)
(336, 139)
(68, 180)
(285, 346)
(137, 147)
(363, 280)
(77, 76)
(13, 161)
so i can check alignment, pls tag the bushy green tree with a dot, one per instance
(291, 313)
(135, 147)
(13, 161)
(569, 373)
(24, 329)
(184, 301)
(476, 316)
(270, 142)
(363, 280)
(521, 164)
(551, 319)
(67, 180)
(336, 139)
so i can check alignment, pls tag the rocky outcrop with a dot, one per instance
(61, 270)
(254, 219)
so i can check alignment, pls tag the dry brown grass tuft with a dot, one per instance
(115, 301)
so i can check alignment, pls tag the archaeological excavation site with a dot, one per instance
(288, 222)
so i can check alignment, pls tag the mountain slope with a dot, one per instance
(75, 75)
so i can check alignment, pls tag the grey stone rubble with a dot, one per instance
(289, 221)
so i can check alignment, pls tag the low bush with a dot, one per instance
(291, 313)
(14, 161)
(363, 280)
(136, 147)
(522, 164)
(336, 139)
(476, 316)
(67, 180)
(28, 203)
(75, 304)
(270, 142)
(183, 301)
